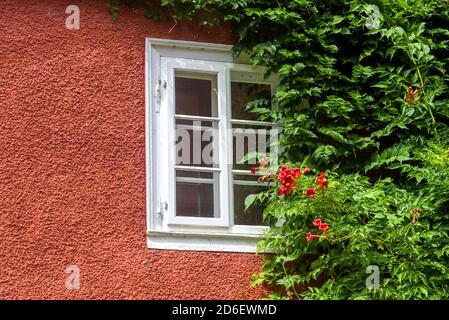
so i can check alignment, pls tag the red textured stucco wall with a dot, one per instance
(72, 162)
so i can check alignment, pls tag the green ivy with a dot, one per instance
(363, 95)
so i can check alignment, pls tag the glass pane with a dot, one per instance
(250, 140)
(196, 194)
(196, 143)
(244, 186)
(242, 93)
(195, 96)
(195, 174)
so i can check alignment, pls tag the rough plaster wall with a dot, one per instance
(72, 155)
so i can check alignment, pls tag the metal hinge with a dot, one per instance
(157, 96)
(163, 207)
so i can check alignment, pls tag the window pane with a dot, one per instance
(196, 143)
(196, 194)
(243, 188)
(195, 96)
(250, 140)
(242, 93)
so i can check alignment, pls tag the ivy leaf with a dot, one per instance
(250, 199)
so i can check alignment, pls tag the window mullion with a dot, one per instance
(224, 143)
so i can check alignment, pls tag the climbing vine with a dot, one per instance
(364, 99)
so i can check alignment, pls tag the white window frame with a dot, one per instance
(164, 229)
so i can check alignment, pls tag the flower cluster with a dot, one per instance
(322, 226)
(263, 166)
(323, 183)
(287, 177)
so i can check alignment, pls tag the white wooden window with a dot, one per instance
(195, 199)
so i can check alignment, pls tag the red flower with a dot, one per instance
(311, 192)
(320, 177)
(283, 191)
(310, 236)
(254, 170)
(321, 181)
(322, 226)
(287, 177)
(306, 170)
(324, 184)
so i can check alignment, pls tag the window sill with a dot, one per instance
(219, 242)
